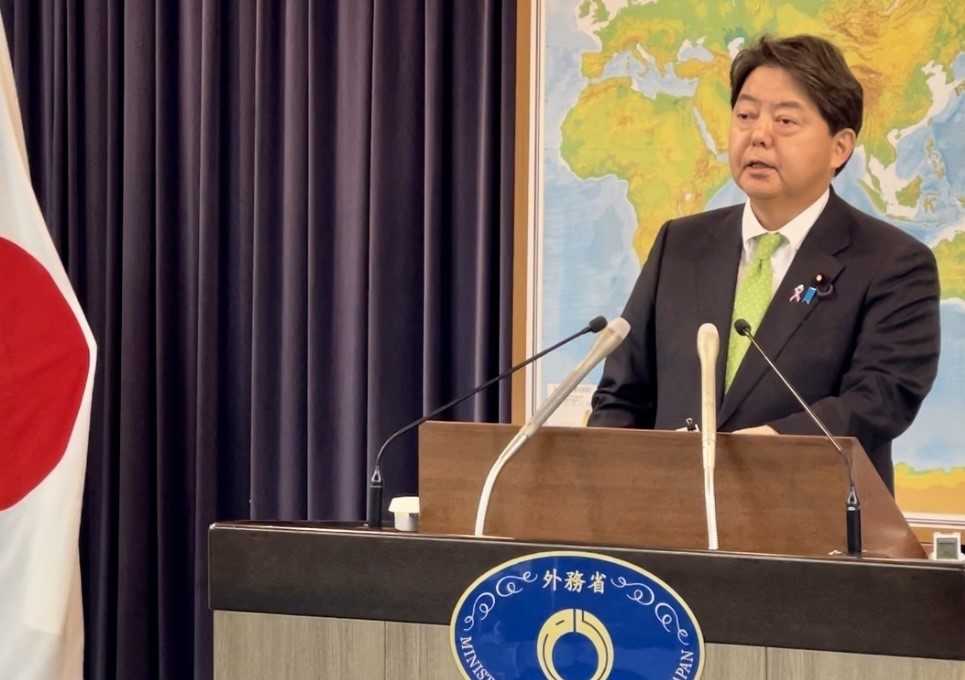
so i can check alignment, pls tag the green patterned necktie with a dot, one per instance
(753, 297)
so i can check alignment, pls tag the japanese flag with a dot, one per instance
(47, 358)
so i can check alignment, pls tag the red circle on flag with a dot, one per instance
(44, 361)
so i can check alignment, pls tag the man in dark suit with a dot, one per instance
(853, 316)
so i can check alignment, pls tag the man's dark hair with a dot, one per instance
(818, 66)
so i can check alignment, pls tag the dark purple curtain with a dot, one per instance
(289, 223)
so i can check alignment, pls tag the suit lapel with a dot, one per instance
(714, 281)
(817, 255)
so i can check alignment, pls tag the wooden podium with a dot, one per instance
(779, 495)
(301, 600)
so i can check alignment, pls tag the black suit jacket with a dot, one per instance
(863, 356)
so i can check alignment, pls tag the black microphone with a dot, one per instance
(375, 483)
(853, 514)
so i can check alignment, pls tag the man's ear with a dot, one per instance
(842, 147)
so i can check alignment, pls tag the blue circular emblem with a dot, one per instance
(574, 616)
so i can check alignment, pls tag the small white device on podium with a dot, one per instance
(947, 547)
(406, 511)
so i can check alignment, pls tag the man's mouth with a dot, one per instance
(758, 165)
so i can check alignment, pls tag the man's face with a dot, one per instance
(782, 153)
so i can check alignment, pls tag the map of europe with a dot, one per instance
(634, 127)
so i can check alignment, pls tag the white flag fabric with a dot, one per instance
(47, 357)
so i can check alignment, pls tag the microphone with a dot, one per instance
(708, 344)
(608, 341)
(853, 513)
(375, 489)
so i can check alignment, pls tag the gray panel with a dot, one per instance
(275, 647)
(420, 650)
(794, 664)
(280, 647)
(735, 662)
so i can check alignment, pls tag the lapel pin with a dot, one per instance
(802, 295)
(822, 286)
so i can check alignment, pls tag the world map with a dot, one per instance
(634, 122)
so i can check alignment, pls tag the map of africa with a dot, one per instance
(633, 131)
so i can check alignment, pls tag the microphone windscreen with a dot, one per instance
(742, 327)
(597, 324)
(708, 341)
(708, 345)
(620, 327)
(607, 341)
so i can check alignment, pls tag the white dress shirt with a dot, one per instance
(793, 232)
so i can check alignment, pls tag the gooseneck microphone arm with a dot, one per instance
(375, 489)
(614, 334)
(708, 347)
(853, 512)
